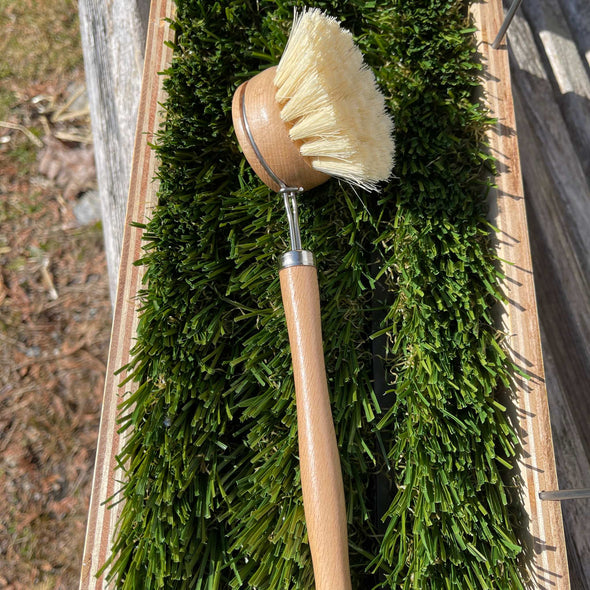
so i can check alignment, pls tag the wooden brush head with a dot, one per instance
(271, 135)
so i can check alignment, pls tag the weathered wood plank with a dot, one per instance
(573, 470)
(577, 14)
(567, 367)
(558, 198)
(566, 69)
(564, 212)
(113, 41)
(142, 197)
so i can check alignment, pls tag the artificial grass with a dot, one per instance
(408, 282)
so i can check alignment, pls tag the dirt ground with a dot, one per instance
(55, 311)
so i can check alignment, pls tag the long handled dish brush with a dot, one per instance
(318, 114)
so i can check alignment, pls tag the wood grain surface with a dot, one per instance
(549, 48)
(113, 40)
(271, 136)
(142, 197)
(542, 525)
(321, 475)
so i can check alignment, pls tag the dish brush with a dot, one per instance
(318, 114)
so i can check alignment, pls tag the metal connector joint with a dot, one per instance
(290, 200)
(296, 258)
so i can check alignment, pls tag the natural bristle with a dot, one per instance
(331, 102)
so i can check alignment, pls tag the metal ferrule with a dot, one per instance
(296, 258)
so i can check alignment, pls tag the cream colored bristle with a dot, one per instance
(330, 100)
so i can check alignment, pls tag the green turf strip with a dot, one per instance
(407, 279)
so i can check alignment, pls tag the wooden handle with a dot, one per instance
(321, 476)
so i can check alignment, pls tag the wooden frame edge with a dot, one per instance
(142, 198)
(542, 529)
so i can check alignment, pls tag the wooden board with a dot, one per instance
(113, 38)
(543, 526)
(549, 46)
(142, 197)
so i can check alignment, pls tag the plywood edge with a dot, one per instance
(142, 198)
(542, 527)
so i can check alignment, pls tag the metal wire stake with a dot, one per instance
(507, 20)
(565, 494)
